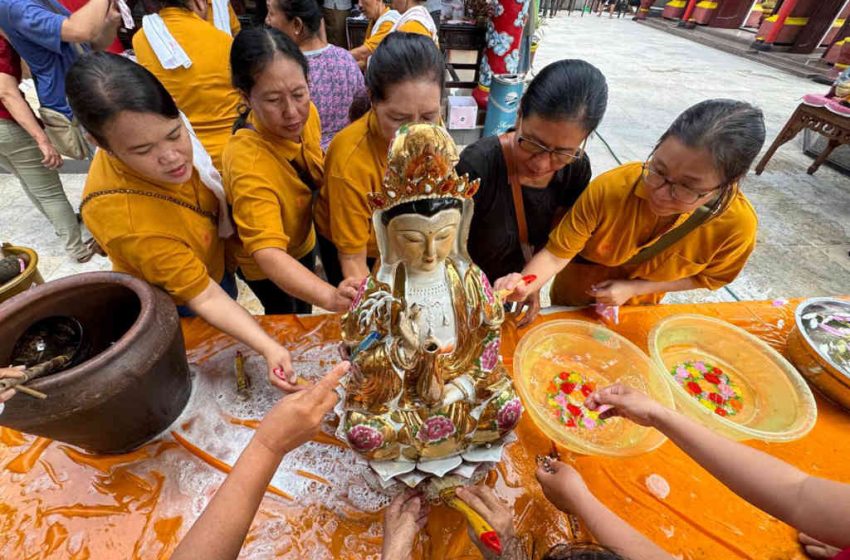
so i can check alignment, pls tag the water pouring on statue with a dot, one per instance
(427, 396)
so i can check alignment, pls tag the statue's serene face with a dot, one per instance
(423, 243)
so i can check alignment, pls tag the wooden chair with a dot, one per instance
(836, 128)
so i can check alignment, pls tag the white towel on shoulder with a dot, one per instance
(126, 15)
(212, 179)
(166, 48)
(221, 15)
(420, 14)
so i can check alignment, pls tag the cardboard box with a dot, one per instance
(463, 112)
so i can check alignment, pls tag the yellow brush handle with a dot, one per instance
(478, 524)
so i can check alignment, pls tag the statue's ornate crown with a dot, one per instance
(421, 164)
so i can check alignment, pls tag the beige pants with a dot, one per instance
(19, 154)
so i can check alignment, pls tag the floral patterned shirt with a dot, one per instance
(335, 80)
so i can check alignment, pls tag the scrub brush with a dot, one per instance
(443, 489)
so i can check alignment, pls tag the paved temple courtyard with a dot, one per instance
(804, 232)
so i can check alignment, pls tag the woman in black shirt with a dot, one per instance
(545, 158)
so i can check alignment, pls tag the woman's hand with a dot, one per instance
(281, 373)
(613, 292)
(495, 512)
(5, 373)
(532, 309)
(621, 400)
(296, 418)
(51, 158)
(344, 295)
(816, 549)
(515, 284)
(563, 486)
(403, 519)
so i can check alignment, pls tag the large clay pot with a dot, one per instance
(29, 277)
(133, 383)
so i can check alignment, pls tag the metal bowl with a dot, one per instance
(806, 354)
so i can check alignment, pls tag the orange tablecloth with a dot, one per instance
(57, 502)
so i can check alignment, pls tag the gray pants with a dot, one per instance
(19, 154)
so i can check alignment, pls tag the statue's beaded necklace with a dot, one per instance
(434, 298)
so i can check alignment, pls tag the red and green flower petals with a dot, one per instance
(565, 397)
(710, 386)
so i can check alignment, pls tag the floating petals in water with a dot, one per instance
(710, 386)
(566, 397)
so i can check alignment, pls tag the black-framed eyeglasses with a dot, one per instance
(655, 180)
(559, 156)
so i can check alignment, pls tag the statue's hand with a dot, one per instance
(409, 328)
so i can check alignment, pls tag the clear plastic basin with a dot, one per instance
(773, 402)
(599, 357)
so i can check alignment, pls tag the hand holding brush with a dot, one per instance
(505, 292)
(501, 540)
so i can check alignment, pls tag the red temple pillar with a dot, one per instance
(842, 38)
(836, 26)
(643, 10)
(686, 17)
(674, 9)
(843, 62)
(784, 26)
(704, 11)
(754, 19)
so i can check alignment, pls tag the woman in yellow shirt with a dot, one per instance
(272, 166)
(405, 82)
(621, 243)
(199, 78)
(226, 20)
(415, 18)
(151, 203)
(381, 20)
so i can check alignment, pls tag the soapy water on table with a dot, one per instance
(316, 473)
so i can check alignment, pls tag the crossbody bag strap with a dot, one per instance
(516, 190)
(205, 213)
(696, 219)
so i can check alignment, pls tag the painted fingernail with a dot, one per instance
(529, 278)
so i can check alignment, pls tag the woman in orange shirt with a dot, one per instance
(197, 77)
(272, 165)
(152, 202)
(415, 18)
(622, 240)
(405, 83)
(381, 20)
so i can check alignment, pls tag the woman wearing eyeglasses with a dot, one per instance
(675, 222)
(531, 176)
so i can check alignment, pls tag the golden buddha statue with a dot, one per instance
(427, 394)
